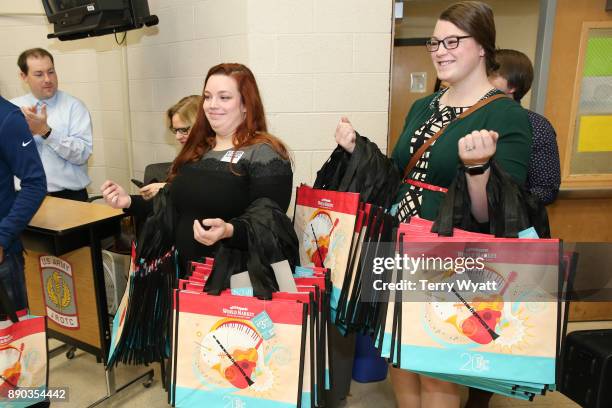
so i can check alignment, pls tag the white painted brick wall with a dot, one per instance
(115, 153)
(234, 48)
(220, 18)
(286, 92)
(314, 60)
(88, 69)
(351, 92)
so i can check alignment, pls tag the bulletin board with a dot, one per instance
(588, 162)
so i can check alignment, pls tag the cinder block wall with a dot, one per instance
(315, 61)
(89, 69)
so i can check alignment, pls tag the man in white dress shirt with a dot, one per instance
(60, 123)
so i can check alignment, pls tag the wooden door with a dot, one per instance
(407, 59)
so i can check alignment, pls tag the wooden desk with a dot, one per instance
(60, 216)
(65, 277)
(64, 272)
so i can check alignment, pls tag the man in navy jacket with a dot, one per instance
(18, 157)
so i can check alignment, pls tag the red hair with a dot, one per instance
(252, 130)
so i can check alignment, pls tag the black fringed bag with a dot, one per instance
(511, 208)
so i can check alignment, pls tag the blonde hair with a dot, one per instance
(186, 108)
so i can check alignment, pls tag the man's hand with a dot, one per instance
(211, 230)
(1, 255)
(37, 121)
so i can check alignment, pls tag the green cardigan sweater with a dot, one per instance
(504, 115)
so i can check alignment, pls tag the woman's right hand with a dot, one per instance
(115, 195)
(345, 135)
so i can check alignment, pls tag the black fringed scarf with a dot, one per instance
(366, 171)
(271, 239)
(511, 208)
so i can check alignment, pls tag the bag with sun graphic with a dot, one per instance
(23, 356)
(238, 351)
(495, 326)
(324, 222)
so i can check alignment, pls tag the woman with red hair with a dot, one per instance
(228, 161)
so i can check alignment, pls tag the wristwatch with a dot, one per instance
(46, 135)
(476, 169)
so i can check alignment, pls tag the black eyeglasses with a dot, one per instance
(182, 131)
(450, 42)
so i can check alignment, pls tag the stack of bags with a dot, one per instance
(338, 231)
(237, 350)
(499, 327)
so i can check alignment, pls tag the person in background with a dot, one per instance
(18, 158)
(60, 123)
(229, 161)
(462, 49)
(514, 78)
(180, 117)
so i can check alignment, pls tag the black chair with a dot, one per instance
(156, 172)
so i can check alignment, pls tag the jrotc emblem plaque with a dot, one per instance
(59, 290)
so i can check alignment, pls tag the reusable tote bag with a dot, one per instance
(324, 222)
(237, 351)
(510, 335)
(23, 357)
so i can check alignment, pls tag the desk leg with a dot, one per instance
(70, 350)
(58, 350)
(100, 291)
(111, 389)
(110, 381)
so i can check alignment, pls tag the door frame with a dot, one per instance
(399, 42)
(541, 65)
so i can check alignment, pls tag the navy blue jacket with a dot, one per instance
(18, 157)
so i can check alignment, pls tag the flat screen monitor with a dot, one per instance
(74, 19)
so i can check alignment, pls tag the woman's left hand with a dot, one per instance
(217, 230)
(477, 147)
(150, 190)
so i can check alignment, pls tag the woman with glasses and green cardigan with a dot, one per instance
(462, 49)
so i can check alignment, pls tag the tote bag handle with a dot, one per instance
(6, 306)
(421, 151)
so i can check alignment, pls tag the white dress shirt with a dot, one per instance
(65, 152)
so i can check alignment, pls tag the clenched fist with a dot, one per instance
(477, 147)
(345, 135)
